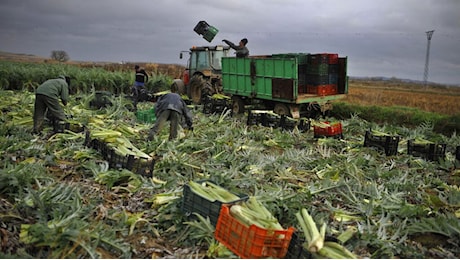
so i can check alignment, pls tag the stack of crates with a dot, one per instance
(322, 74)
(302, 59)
(387, 143)
(429, 151)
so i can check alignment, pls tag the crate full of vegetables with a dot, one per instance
(206, 198)
(426, 149)
(382, 141)
(266, 118)
(119, 152)
(289, 123)
(249, 230)
(327, 129)
(217, 103)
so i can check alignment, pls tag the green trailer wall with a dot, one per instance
(291, 79)
(255, 77)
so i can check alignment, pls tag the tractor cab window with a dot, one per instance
(216, 59)
(199, 60)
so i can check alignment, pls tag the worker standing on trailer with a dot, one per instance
(47, 98)
(141, 77)
(241, 50)
(171, 107)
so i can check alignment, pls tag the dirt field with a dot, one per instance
(433, 98)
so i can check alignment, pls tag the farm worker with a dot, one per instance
(171, 107)
(141, 78)
(241, 50)
(47, 98)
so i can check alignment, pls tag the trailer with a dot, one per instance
(292, 84)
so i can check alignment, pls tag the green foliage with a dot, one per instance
(16, 179)
(19, 75)
(81, 208)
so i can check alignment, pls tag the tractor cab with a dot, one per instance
(204, 70)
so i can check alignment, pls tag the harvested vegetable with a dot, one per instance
(212, 192)
(252, 212)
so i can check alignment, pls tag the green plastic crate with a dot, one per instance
(146, 116)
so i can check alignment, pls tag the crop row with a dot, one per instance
(19, 75)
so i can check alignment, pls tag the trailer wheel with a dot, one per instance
(237, 105)
(282, 109)
(313, 111)
(196, 84)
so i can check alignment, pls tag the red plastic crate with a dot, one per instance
(323, 58)
(334, 129)
(253, 241)
(322, 90)
(333, 58)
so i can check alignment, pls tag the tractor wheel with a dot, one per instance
(282, 109)
(197, 82)
(237, 105)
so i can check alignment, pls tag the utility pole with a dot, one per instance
(429, 34)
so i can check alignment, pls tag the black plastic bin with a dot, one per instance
(296, 249)
(430, 152)
(387, 143)
(194, 203)
(287, 123)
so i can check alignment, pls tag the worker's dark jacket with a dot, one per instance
(241, 51)
(173, 101)
(55, 88)
(142, 76)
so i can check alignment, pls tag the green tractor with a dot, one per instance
(203, 75)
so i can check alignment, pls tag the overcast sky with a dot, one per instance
(380, 37)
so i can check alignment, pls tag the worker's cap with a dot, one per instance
(245, 41)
